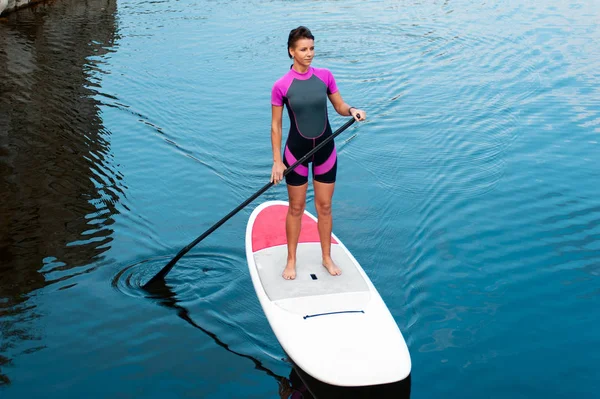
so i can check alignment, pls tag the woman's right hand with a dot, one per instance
(277, 172)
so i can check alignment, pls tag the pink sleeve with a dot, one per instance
(331, 85)
(277, 94)
(327, 77)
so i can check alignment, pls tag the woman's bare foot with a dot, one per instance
(289, 273)
(331, 267)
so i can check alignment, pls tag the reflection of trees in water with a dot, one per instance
(58, 187)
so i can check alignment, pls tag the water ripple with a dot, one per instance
(199, 276)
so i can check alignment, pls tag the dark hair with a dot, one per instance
(301, 32)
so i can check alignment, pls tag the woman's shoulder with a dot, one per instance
(322, 71)
(317, 69)
(324, 74)
(284, 80)
(327, 77)
(280, 88)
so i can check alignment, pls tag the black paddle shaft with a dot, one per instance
(163, 272)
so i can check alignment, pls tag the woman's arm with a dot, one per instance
(278, 165)
(344, 109)
(276, 115)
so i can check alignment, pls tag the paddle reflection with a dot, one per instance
(166, 297)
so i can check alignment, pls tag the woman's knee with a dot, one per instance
(296, 208)
(323, 208)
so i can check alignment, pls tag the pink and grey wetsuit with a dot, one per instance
(305, 95)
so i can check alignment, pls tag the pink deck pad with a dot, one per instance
(269, 228)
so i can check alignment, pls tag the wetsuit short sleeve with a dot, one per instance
(327, 77)
(280, 88)
(331, 85)
(277, 95)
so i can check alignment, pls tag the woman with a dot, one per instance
(304, 90)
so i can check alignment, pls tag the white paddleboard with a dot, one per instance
(335, 328)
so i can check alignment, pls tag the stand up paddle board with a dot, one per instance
(335, 328)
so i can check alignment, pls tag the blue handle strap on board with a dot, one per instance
(329, 313)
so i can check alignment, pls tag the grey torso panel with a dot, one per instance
(307, 105)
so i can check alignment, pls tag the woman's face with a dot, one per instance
(303, 51)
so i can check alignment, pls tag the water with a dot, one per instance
(470, 196)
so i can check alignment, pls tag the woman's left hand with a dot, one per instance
(358, 114)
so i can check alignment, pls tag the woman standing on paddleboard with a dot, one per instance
(305, 90)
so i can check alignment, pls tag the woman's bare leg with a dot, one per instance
(293, 224)
(323, 198)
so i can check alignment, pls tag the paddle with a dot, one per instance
(163, 272)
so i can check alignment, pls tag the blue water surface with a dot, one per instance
(470, 195)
